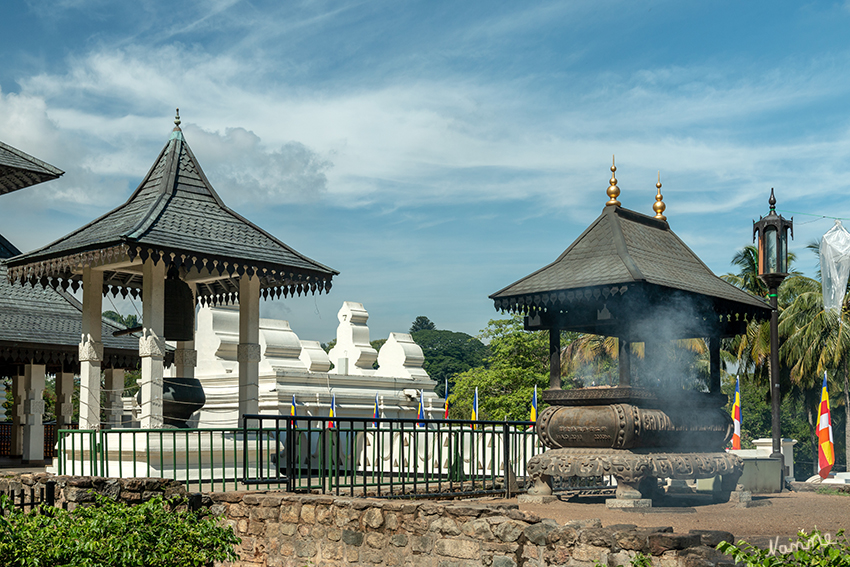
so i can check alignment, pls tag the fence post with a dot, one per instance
(50, 492)
(506, 460)
(244, 449)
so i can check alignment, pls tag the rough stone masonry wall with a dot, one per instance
(287, 530)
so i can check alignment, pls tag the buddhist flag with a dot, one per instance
(826, 454)
(293, 413)
(377, 413)
(332, 413)
(446, 403)
(475, 407)
(736, 415)
(533, 416)
(421, 413)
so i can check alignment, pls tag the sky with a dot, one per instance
(434, 152)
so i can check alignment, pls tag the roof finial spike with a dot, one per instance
(659, 205)
(613, 191)
(772, 201)
(177, 118)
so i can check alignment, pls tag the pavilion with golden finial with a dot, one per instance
(629, 276)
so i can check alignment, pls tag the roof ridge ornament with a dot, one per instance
(177, 133)
(613, 191)
(177, 119)
(659, 205)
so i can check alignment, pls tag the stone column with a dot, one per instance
(248, 351)
(185, 355)
(64, 391)
(18, 419)
(91, 349)
(152, 345)
(33, 411)
(114, 386)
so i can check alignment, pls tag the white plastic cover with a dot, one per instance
(834, 266)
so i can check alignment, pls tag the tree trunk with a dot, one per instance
(812, 432)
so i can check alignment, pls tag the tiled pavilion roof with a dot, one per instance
(43, 326)
(629, 261)
(19, 170)
(175, 216)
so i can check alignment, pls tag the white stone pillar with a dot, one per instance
(34, 411)
(18, 418)
(114, 385)
(91, 349)
(64, 406)
(152, 345)
(248, 351)
(185, 355)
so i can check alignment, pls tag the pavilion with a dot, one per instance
(174, 234)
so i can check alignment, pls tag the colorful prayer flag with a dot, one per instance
(293, 412)
(475, 407)
(826, 453)
(533, 416)
(446, 403)
(736, 415)
(332, 423)
(421, 413)
(377, 412)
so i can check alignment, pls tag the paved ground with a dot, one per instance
(14, 466)
(776, 515)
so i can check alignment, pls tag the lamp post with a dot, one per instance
(772, 232)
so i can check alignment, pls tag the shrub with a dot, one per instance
(810, 550)
(113, 534)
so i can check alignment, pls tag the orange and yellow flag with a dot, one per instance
(826, 449)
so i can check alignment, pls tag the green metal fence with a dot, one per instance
(388, 457)
(384, 457)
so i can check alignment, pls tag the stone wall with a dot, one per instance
(279, 529)
(289, 530)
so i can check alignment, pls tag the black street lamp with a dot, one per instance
(772, 232)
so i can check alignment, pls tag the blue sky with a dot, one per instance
(434, 152)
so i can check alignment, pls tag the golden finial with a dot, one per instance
(659, 205)
(613, 190)
(177, 119)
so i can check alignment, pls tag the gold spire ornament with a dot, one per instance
(613, 190)
(659, 205)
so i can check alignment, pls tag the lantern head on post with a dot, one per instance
(772, 233)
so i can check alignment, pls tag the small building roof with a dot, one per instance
(625, 268)
(176, 216)
(43, 326)
(19, 170)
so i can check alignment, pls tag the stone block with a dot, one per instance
(334, 533)
(478, 529)
(261, 513)
(700, 556)
(288, 529)
(459, 548)
(445, 526)
(290, 512)
(308, 513)
(585, 552)
(628, 503)
(256, 528)
(581, 524)
(659, 543)
(503, 561)
(305, 548)
(399, 540)
(712, 537)
(564, 535)
(270, 500)
(510, 530)
(332, 550)
(376, 540)
(324, 514)
(391, 521)
(630, 540)
(79, 495)
(229, 497)
(371, 556)
(238, 510)
(421, 543)
(598, 537)
(373, 518)
(351, 537)
(538, 534)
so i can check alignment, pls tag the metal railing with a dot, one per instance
(357, 456)
(387, 457)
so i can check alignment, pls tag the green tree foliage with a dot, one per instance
(422, 323)
(448, 353)
(518, 361)
(113, 534)
(128, 321)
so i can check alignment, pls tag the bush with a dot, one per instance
(809, 550)
(113, 534)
